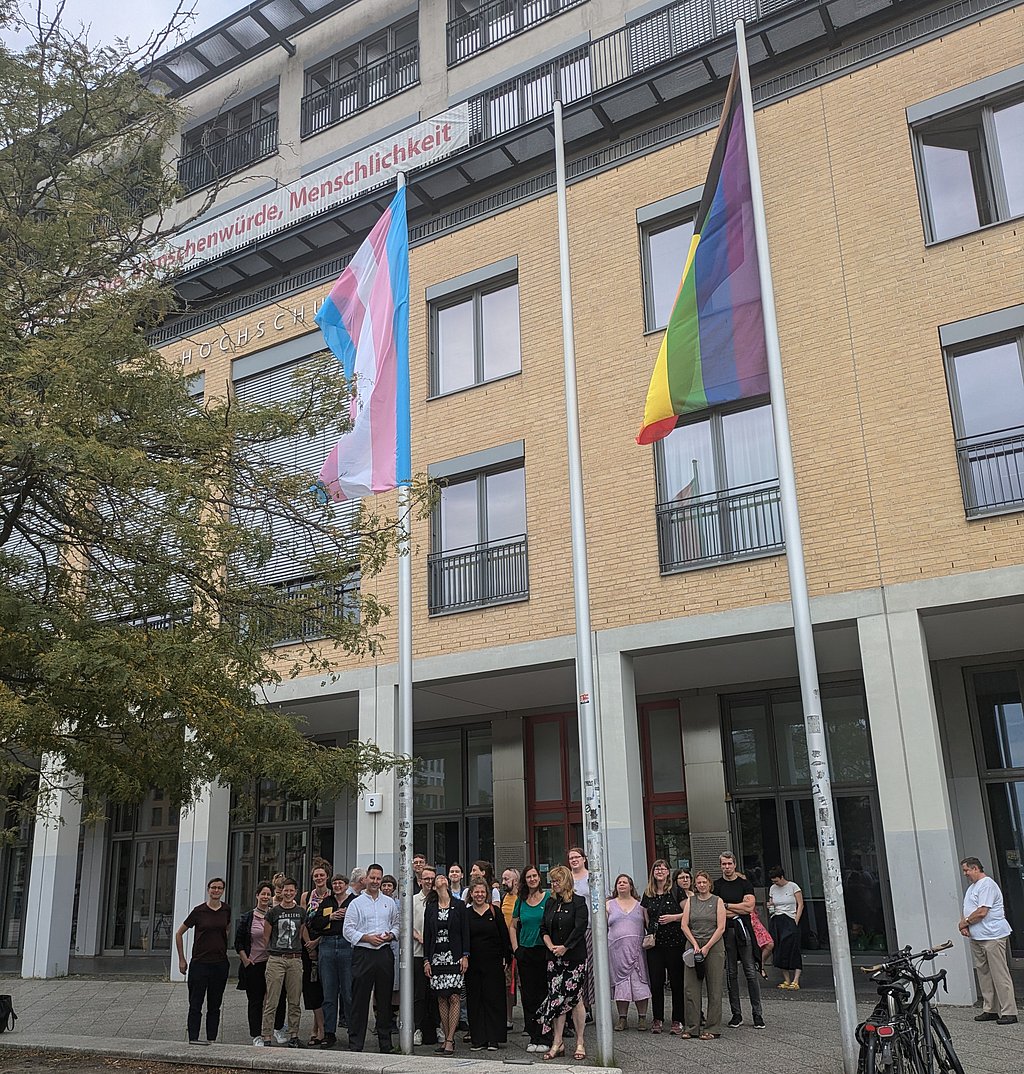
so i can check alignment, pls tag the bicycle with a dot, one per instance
(905, 1033)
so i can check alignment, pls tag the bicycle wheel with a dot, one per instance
(945, 1054)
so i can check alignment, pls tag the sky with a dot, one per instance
(133, 19)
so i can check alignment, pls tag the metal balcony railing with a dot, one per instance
(992, 471)
(391, 74)
(229, 154)
(719, 526)
(342, 602)
(477, 575)
(497, 20)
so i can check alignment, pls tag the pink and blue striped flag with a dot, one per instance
(365, 321)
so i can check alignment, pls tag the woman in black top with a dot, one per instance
(251, 946)
(564, 931)
(662, 900)
(490, 951)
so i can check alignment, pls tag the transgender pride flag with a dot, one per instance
(365, 321)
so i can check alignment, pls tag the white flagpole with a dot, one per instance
(405, 787)
(587, 702)
(810, 691)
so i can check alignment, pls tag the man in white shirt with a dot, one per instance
(371, 923)
(984, 924)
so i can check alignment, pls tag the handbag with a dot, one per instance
(648, 940)
(7, 1015)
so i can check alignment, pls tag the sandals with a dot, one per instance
(554, 1053)
(314, 1042)
(710, 1036)
(579, 1054)
(446, 1047)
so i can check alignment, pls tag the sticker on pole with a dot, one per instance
(584, 699)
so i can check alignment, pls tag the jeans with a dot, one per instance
(206, 980)
(745, 953)
(336, 980)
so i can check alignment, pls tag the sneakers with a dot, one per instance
(478, 1048)
(759, 1023)
(293, 1042)
(677, 1028)
(417, 1037)
(191, 1041)
(1006, 1020)
(536, 1047)
(281, 1036)
(656, 1025)
(257, 1042)
(736, 1021)
(439, 1033)
(986, 1016)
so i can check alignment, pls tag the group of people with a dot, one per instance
(477, 941)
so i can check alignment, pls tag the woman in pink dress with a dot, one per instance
(627, 926)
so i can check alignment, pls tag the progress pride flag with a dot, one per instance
(366, 169)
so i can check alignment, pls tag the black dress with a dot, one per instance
(489, 950)
(444, 943)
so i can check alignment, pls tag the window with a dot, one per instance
(232, 140)
(360, 76)
(996, 695)
(479, 538)
(665, 816)
(986, 390)
(553, 778)
(475, 333)
(665, 244)
(774, 822)
(453, 795)
(718, 489)
(971, 156)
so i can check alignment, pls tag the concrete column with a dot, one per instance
(377, 833)
(704, 771)
(920, 844)
(51, 884)
(508, 771)
(89, 930)
(622, 778)
(202, 854)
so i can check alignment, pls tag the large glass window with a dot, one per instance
(769, 781)
(475, 337)
(274, 831)
(555, 811)
(453, 796)
(15, 858)
(479, 542)
(986, 388)
(718, 489)
(665, 816)
(997, 702)
(972, 164)
(140, 875)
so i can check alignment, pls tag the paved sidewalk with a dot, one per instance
(147, 1018)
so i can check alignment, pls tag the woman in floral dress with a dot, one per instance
(445, 955)
(564, 931)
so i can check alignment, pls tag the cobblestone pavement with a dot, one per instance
(801, 1034)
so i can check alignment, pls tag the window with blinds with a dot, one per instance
(294, 545)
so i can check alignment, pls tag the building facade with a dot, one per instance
(891, 138)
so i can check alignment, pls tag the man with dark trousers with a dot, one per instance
(425, 1015)
(371, 923)
(738, 895)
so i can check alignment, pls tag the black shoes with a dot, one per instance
(987, 1016)
(293, 1042)
(1006, 1020)
(759, 1023)
(329, 1041)
(736, 1021)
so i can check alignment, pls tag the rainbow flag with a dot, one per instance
(365, 321)
(713, 350)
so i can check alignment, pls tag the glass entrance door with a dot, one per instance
(555, 812)
(1006, 808)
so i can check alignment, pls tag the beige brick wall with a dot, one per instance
(859, 299)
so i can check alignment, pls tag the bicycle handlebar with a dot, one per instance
(905, 957)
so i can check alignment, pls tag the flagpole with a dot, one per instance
(587, 701)
(405, 778)
(810, 691)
